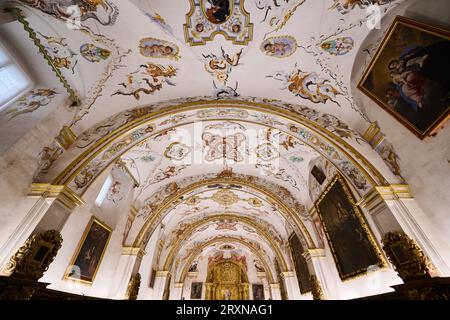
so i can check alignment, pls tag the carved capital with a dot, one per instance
(61, 193)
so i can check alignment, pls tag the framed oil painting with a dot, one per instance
(196, 290)
(301, 266)
(258, 292)
(409, 76)
(89, 253)
(353, 246)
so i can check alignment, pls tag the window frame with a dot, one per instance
(11, 60)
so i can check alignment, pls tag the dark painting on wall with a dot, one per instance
(301, 266)
(196, 290)
(90, 251)
(318, 175)
(409, 76)
(258, 292)
(351, 242)
(152, 278)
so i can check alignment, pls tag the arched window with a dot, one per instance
(13, 80)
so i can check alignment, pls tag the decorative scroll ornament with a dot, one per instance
(35, 256)
(133, 287)
(206, 18)
(407, 258)
(316, 288)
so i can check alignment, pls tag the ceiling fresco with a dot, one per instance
(218, 110)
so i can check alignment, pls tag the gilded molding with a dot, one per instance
(68, 174)
(133, 251)
(274, 285)
(261, 274)
(162, 273)
(66, 137)
(314, 253)
(380, 194)
(179, 285)
(288, 274)
(133, 211)
(61, 193)
(371, 132)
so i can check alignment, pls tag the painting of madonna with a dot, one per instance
(410, 75)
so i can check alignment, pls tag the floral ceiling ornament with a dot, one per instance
(148, 79)
(225, 197)
(267, 152)
(279, 47)
(156, 48)
(61, 55)
(345, 6)
(277, 12)
(221, 67)
(307, 85)
(31, 102)
(79, 12)
(206, 18)
(219, 147)
(177, 151)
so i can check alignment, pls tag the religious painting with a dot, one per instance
(196, 290)
(89, 254)
(301, 266)
(156, 48)
(279, 47)
(258, 292)
(217, 11)
(409, 76)
(351, 242)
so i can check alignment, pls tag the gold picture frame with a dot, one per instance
(405, 75)
(353, 225)
(300, 266)
(103, 233)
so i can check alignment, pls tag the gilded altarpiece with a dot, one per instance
(227, 280)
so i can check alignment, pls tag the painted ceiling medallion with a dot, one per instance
(267, 152)
(225, 197)
(339, 46)
(156, 48)
(177, 151)
(206, 18)
(255, 202)
(279, 47)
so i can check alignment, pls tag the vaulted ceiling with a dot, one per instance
(123, 59)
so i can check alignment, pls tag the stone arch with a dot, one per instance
(199, 250)
(171, 256)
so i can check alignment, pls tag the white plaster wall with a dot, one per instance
(115, 218)
(17, 167)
